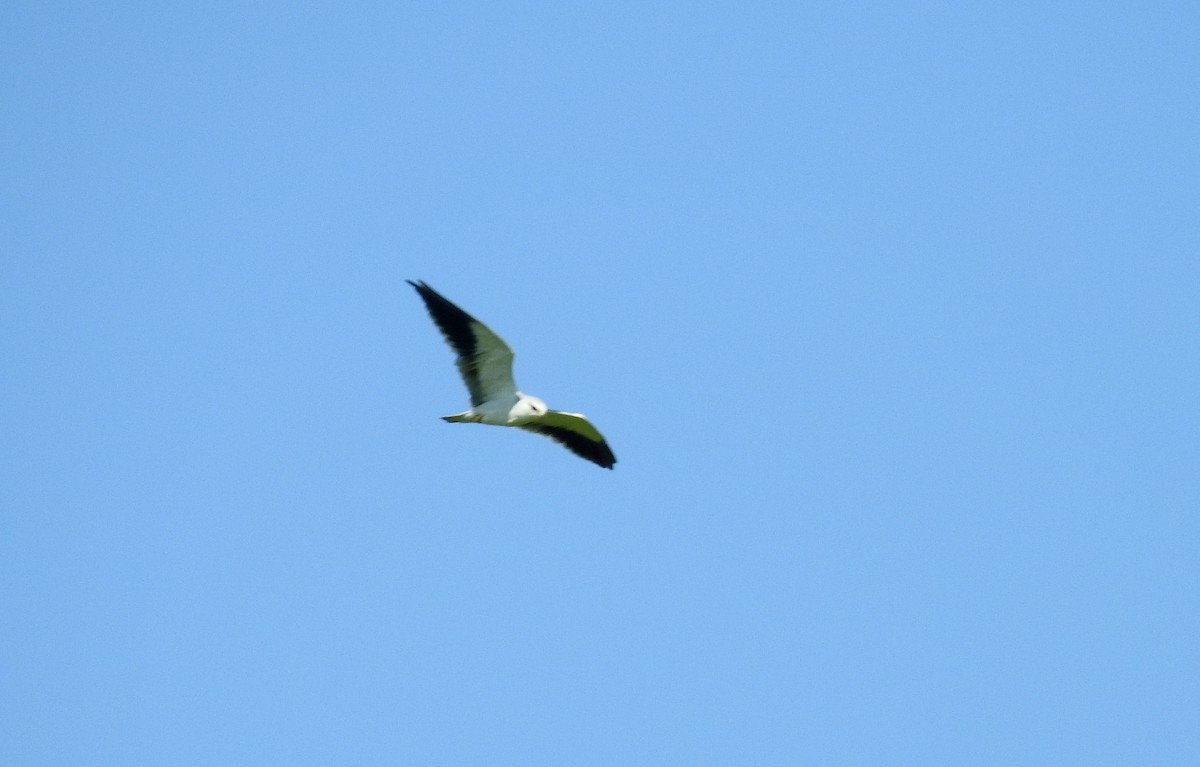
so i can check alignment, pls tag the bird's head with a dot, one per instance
(527, 407)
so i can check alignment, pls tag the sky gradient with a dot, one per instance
(889, 312)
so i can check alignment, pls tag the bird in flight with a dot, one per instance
(485, 363)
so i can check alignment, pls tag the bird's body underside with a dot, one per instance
(485, 363)
(502, 411)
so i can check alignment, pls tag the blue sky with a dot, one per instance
(888, 310)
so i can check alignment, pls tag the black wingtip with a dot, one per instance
(598, 453)
(456, 326)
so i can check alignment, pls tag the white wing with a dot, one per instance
(484, 360)
(575, 433)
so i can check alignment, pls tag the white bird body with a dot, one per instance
(503, 411)
(485, 363)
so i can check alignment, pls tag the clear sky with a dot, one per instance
(890, 312)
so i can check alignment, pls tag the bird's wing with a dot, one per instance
(484, 360)
(575, 433)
